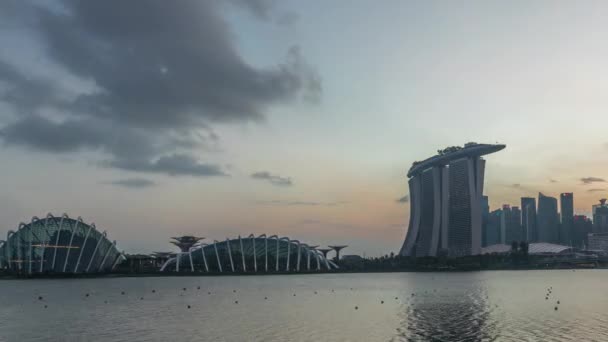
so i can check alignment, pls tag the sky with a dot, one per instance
(219, 118)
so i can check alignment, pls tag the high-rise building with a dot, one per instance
(516, 224)
(600, 217)
(528, 219)
(581, 227)
(548, 219)
(445, 202)
(493, 228)
(511, 224)
(566, 202)
(485, 215)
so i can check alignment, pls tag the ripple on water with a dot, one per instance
(505, 306)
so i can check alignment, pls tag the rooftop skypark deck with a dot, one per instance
(452, 153)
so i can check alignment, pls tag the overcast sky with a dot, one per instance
(219, 118)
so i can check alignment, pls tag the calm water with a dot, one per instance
(502, 306)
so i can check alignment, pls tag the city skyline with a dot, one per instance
(290, 118)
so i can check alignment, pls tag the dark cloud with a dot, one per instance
(174, 165)
(129, 148)
(301, 203)
(596, 190)
(287, 19)
(41, 134)
(134, 183)
(403, 199)
(589, 180)
(272, 179)
(161, 73)
(260, 8)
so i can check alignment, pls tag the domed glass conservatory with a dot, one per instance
(58, 245)
(251, 254)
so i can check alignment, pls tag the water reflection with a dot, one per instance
(447, 315)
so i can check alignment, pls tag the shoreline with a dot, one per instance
(232, 274)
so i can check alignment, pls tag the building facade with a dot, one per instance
(548, 219)
(582, 226)
(250, 255)
(58, 245)
(485, 216)
(600, 217)
(528, 219)
(598, 242)
(493, 228)
(566, 202)
(446, 194)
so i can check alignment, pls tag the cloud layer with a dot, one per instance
(272, 179)
(157, 76)
(134, 183)
(301, 203)
(589, 180)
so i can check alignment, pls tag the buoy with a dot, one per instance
(198, 287)
(45, 306)
(86, 295)
(381, 302)
(265, 298)
(294, 294)
(208, 292)
(188, 306)
(558, 302)
(39, 297)
(556, 308)
(356, 308)
(234, 291)
(184, 289)
(315, 292)
(236, 302)
(105, 302)
(153, 291)
(122, 293)
(396, 298)
(141, 298)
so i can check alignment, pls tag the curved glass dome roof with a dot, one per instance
(58, 245)
(250, 254)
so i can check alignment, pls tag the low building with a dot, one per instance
(351, 258)
(538, 248)
(597, 242)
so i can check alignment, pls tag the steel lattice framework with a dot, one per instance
(58, 245)
(250, 254)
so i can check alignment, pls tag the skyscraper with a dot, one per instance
(581, 227)
(548, 219)
(445, 202)
(511, 224)
(493, 228)
(566, 202)
(516, 224)
(485, 215)
(600, 217)
(528, 219)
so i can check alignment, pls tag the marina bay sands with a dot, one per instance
(446, 193)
